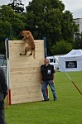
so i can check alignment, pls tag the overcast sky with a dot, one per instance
(74, 6)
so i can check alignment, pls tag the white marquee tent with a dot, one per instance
(71, 61)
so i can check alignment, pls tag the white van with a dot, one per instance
(54, 61)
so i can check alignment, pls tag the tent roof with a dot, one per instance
(74, 52)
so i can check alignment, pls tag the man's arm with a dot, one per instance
(53, 71)
(53, 78)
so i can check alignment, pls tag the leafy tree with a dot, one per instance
(17, 6)
(68, 27)
(46, 18)
(3, 34)
(78, 41)
(61, 47)
(10, 24)
(17, 21)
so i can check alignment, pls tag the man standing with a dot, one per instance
(3, 93)
(47, 72)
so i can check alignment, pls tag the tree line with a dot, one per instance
(44, 18)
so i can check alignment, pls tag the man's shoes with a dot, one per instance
(45, 100)
(55, 99)
(48, 100)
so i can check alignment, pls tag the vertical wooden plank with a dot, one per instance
(25, 72)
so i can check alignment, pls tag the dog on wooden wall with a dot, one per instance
(29, 40)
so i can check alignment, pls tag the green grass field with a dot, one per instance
(66, 110)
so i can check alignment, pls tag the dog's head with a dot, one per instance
(25, 33)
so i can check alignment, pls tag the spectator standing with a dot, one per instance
(47, 71)
(3, 93)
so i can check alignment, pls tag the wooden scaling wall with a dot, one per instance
(25, 81)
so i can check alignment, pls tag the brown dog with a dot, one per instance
(29, 40)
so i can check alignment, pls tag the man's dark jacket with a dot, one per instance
(3, 88)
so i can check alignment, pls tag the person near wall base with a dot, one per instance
(47, 72)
